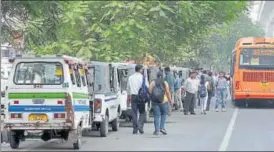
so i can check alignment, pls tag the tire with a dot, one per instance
(115, 123)
(78, 143)
(104, 127)
(238, 103)
(14, 140)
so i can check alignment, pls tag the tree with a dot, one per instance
(225, 38)
(118, 30)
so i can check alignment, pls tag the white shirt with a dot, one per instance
(191, 85)
(134, 83)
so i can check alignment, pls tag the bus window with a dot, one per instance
(257, 57)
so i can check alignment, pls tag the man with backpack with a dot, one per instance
(210, 90)
(137, 87)
(160, 96)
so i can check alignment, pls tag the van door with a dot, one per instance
(122, 81)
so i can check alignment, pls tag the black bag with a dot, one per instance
(158, 92)
(143, 94)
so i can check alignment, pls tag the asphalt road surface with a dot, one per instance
(236, 129)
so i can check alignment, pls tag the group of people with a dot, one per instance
(202, 86)
(166, 89)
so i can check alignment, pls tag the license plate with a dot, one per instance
(38, 117)
(38, 101)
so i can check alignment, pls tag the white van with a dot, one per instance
(107, 107)
(47, 96)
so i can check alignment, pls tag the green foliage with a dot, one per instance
(171, 31)
(218, 54)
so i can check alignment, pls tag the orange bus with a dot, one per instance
(252, 71)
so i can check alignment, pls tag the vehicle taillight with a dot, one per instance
(15, 115)
(129, 101)
(15, 102)
(97, 105)
(237, 85)
(59, 115)
(59, 102)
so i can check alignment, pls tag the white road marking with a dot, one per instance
(229, 131)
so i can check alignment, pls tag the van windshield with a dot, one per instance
(44, 73)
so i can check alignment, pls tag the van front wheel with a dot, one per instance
(14, 140)
(104, 127)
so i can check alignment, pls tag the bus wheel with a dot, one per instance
(104, 127)
(14, 140)
(238, 103)
(78, 143)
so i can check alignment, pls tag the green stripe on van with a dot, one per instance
(77, 95)
(36, 95)
(47, 95)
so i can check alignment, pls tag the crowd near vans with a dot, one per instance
(60, 96)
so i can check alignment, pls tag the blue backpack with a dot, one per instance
(143, 94)
(203, 91)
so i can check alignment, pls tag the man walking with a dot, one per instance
(177, 89)
(210, 90)
(191, 92)
(170, 80)
(135, 82)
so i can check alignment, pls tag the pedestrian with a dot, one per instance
(134, 85)
(170, 80)
(203, 94)
(160, 96)
(221, 89)
(211, 90)
(191, 91)
(177, 89)
(197, 82)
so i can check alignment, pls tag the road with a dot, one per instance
(236, 129)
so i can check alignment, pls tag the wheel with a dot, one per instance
(14, 140)
(115, 123)
(104, 127)
(146, 116)
(78, 143)
(238, 103)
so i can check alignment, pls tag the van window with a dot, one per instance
(72, 77)
(77, 75)
(83, 77)
(111, 78)
(44, 73)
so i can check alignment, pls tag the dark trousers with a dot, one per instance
(189, 102)
(208, 102)
(136, 106)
